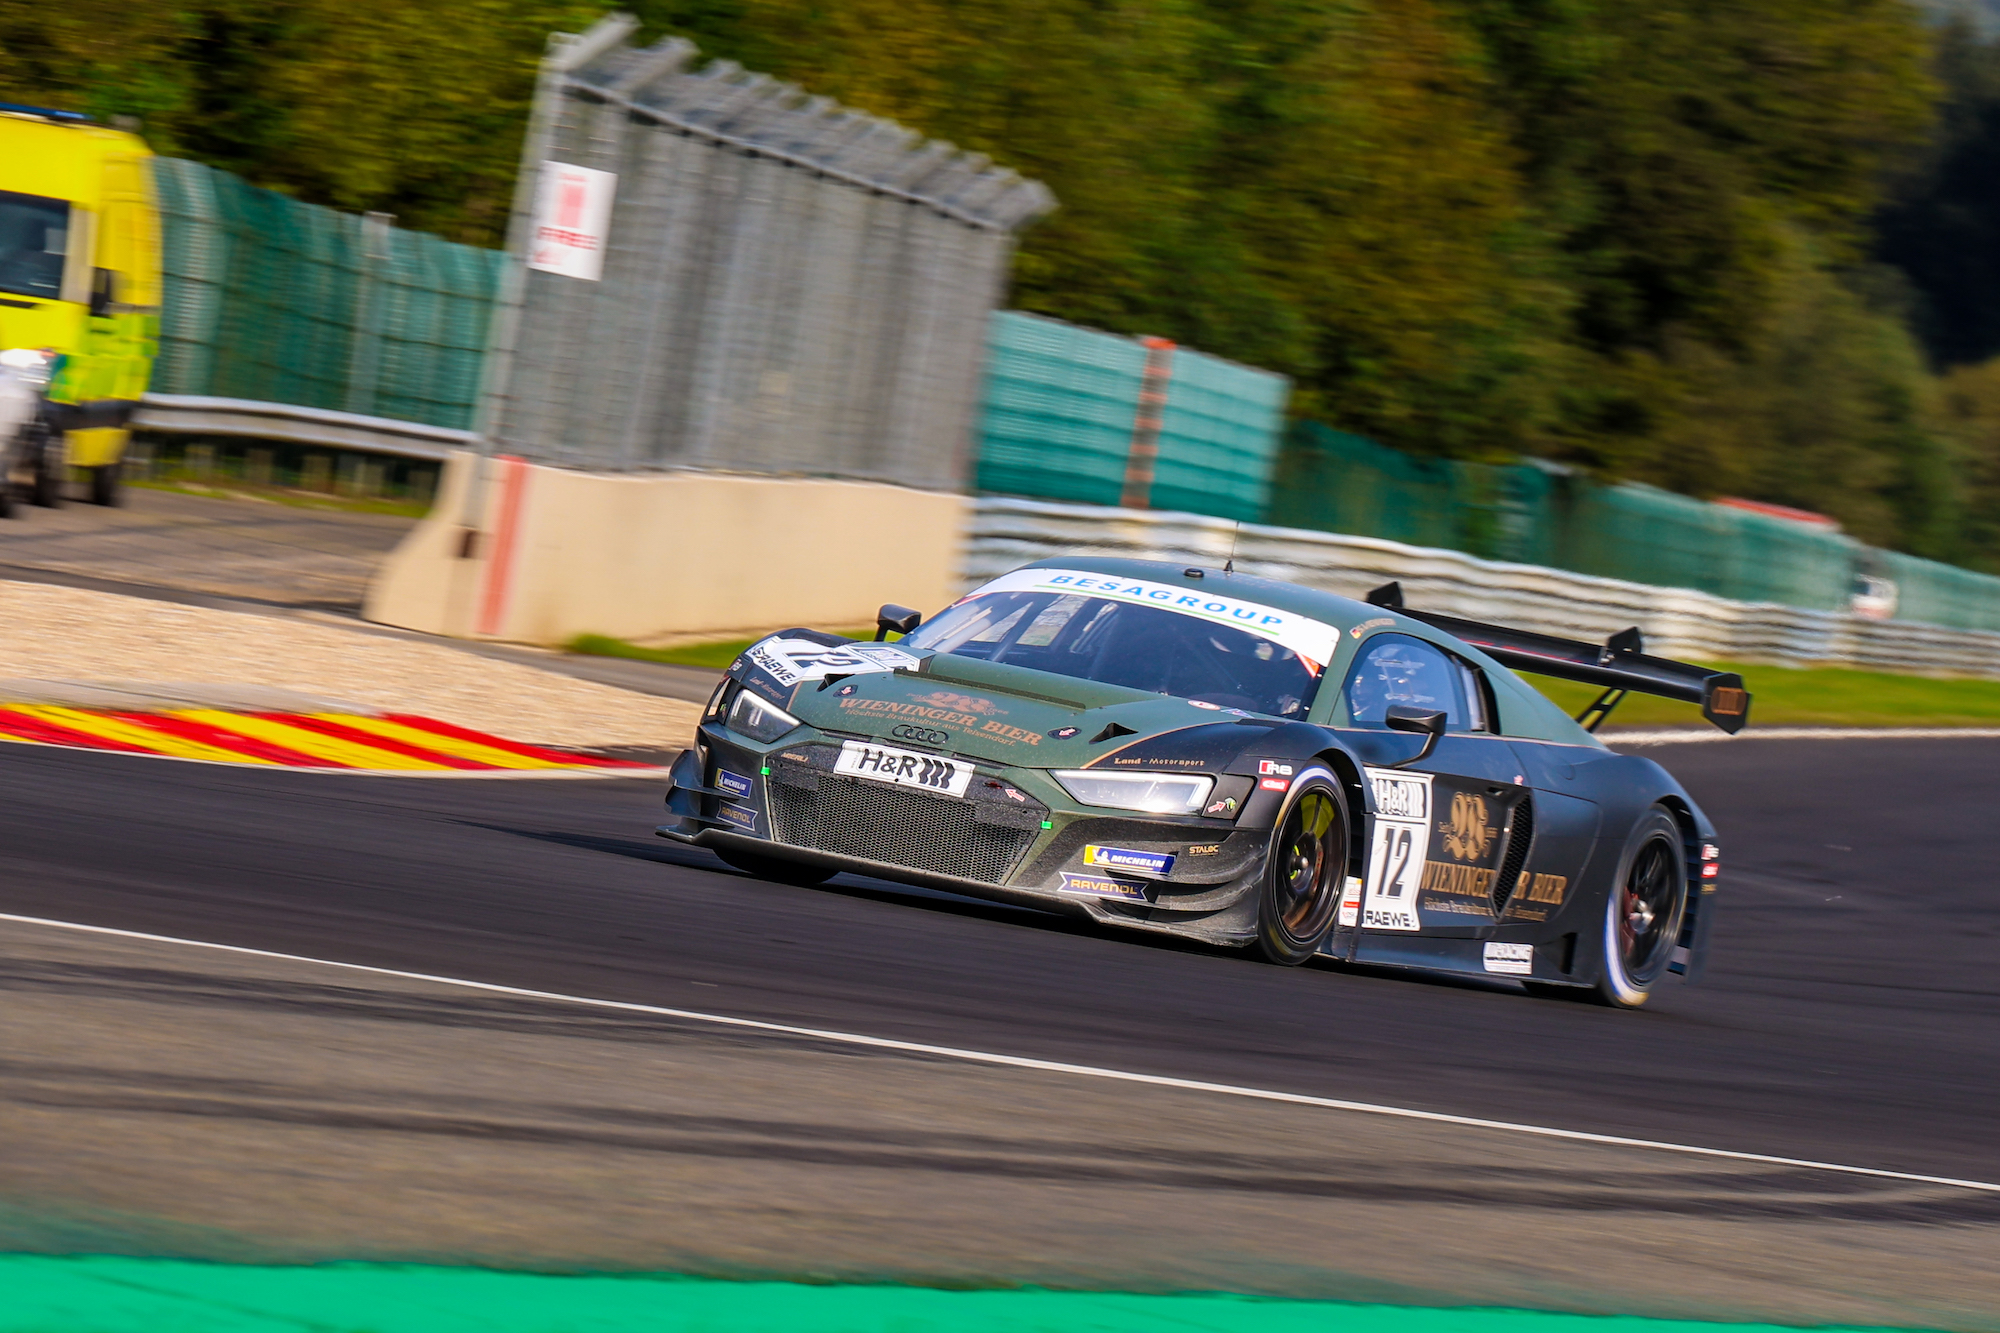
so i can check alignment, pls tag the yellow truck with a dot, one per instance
(79, 296)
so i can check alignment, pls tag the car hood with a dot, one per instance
(1003, 714)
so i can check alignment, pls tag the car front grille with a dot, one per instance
(898, 826)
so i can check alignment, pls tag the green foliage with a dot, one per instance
(1633, 237)
(415, 110)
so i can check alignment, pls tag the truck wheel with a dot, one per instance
(46, 457)
(104, 487)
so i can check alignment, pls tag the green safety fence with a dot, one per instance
(273, 300)
(113, 1295)
(1336, 482)
(1060, 404)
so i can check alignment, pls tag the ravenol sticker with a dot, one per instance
(789, 661)
(733, 783)
(1311, 639)
(1400, 846)
(1103, 886)
(1515, 960)
(1121, 858)
(737, 815)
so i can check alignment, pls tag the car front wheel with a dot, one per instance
(1307, 870)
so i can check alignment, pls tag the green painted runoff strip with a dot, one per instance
(44, 1294)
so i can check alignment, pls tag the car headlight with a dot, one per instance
(758, 720)
(1154, 793)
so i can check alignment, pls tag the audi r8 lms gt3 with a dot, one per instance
(1207, 754)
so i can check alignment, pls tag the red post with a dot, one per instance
(1146, 423)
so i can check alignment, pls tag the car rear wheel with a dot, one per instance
(775, 868)
(1306, 871)
(1644, 912)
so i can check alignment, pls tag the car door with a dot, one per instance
(1452, 831)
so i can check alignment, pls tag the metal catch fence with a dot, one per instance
(787, 285)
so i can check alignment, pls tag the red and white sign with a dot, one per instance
(572, 220)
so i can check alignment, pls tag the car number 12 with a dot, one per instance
(1401, 844)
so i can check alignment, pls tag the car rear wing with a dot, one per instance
(1619, 664)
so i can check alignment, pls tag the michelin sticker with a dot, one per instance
(733, 783)
(1311, 639)
(1402, 842)
(789, 661)
(1120, 858)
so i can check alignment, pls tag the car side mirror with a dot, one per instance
(1426, 722)
(901, 619)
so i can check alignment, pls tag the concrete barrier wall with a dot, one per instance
(560, 553)
(1677, 622)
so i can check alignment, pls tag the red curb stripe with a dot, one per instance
(51, 733)
(207, 734)
(431, 724)
(500, 566)
(344, 733)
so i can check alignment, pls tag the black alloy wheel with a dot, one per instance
(1306, 873)
(775, 868)
(1644, 913)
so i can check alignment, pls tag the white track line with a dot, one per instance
(1023, 1062)
(1693, 737)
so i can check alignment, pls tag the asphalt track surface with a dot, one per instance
(1849, 1015)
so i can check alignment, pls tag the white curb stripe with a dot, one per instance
(1692, 737)
(1023, 1062)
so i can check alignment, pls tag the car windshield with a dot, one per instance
(1119, 642)
(34, 237)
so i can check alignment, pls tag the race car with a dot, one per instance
(1232, 759)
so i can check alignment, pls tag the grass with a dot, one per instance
(717, 655)
(1811, 696)
(285, 495)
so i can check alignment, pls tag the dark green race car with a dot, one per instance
(1247, 762)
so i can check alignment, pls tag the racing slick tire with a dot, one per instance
(1305, 872)
(1643, 913)
(775, 868)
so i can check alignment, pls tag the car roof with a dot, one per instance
(1331, 608)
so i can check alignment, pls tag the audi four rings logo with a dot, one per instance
(921, 735)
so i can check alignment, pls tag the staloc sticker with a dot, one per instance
(737, 815)
(733, 783)
(1103, 886)
(1400, 847)
(1122, 858)
(789, 661)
